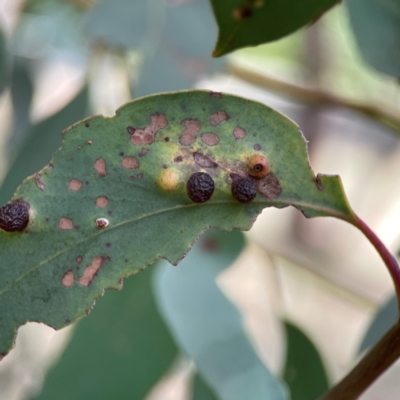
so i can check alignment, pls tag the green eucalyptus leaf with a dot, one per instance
(21, 96)
(384, 319)
(201, 390)
(304, 370)
(244, 23)
(173, 38)
(208, 327)
(120, 352)
(376, 25)
(4, 62)
(114, 198)
(40, 143)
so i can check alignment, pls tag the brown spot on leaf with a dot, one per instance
(75, 184)
(108, 245)
(102, 223)
(38, 182)
(257, 147)
(91, 271)
(209, 139)
(148, 134)
(318, 182)
(65, 224)
(121, 153)
(132, 178)
(218, 117)
(87, 124)
(140, 176)
(239, 133)
(101, 201)
(89, 142)
(130, 163)
(79, 259)
(269, 186)
(241, 13)
(188, 136)
(178, 159)
(216, 95)
(143, 152)
(203, 161)
(68, 279)
(100, 166)
(166, 139)
(131, 130)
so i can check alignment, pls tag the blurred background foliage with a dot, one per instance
(287, 307)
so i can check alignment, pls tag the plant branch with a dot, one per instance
(371, 367)
(386, 351)
(386, 256)
(386, 117)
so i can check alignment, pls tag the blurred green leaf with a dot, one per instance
(244, 23)
(201, 391)
(304, 370)
(376, 25)
(4, 62)
(174, 38)
(207, 326)
(120, 352)
(21, 96)
(385, 318)
(41, 143)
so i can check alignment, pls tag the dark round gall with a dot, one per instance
(200, 187)
(243, 189)
(14, 216)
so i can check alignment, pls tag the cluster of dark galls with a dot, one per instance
(200, 188)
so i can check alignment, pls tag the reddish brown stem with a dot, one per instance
(386, 351)
(386, 256)
(371, 367)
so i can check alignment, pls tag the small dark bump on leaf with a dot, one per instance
(87, 124)
(257, 147)
(200, 187)
(14, 217)
(131, 130)
(178, 159)
(241, 13)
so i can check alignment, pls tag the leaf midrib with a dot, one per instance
(297, 204)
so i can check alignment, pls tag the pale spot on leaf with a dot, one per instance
(130, 163)
(188, 136)
(101, 201)
(65, 224)
(209, 139)
(91, 271)
(239, 133)
(100, 166)
(218, 117)
(68, 279)
(75, 185)
(148, 134)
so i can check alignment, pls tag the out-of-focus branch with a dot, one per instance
(387, 117)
